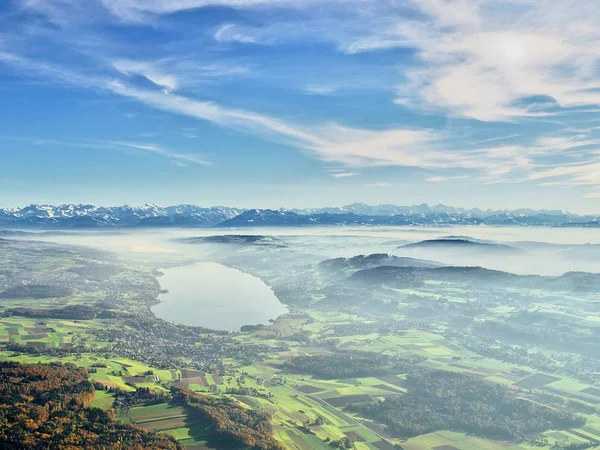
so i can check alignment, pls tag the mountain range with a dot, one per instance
(391, 210)
(357, 214)
(90, 216)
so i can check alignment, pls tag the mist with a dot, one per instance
(537, 251)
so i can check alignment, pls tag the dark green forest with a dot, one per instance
(349, 364)
(438, 400)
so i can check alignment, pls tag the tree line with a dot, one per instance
(70, 312)
(36, 291)
(232, 421)
(349, 364)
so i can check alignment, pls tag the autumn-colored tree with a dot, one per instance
(45, 406)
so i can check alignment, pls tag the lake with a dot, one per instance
(211, 295)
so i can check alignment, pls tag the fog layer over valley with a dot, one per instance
(523, 250)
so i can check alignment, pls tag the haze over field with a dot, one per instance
(543, 251)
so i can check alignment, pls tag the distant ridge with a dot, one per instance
(237, 239)
(357, 214)
(459, 243)
(424, 208)
(267, 217)
(90, 216)
(403, 276)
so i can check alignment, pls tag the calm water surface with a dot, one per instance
(214, 296)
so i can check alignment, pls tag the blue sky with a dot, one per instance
(298, 103)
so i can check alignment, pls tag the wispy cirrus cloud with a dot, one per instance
(180, 158)
(229, 33)
(332, 142)
(57, 74)
(141, 10)
(379, 184)
(585, 173)
(323, 89)
(173, 74)
(471, 58)
(438, 179)
(353, 147)
(133, 11)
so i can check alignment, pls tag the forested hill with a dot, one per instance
(363, 262)
(475, 276)
(462, 244)
(438, 400)
(45, 406)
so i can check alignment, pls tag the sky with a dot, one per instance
(301, 103)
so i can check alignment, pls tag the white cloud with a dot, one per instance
(331, 142)
(230, 33)
(57, 11)
(139, 10)
(213, 112)
(344, 174)
(148, 71)
(181, 158)
(172, 74)
(359, 147)
(436, 179)
(584, 173)
(497, 138)
(379, 184)
(373, 43)
(55, 73)
(473, 58)
(477, 60)
(320, 89)
(356, 147)
(490, 60)
(439, 179)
